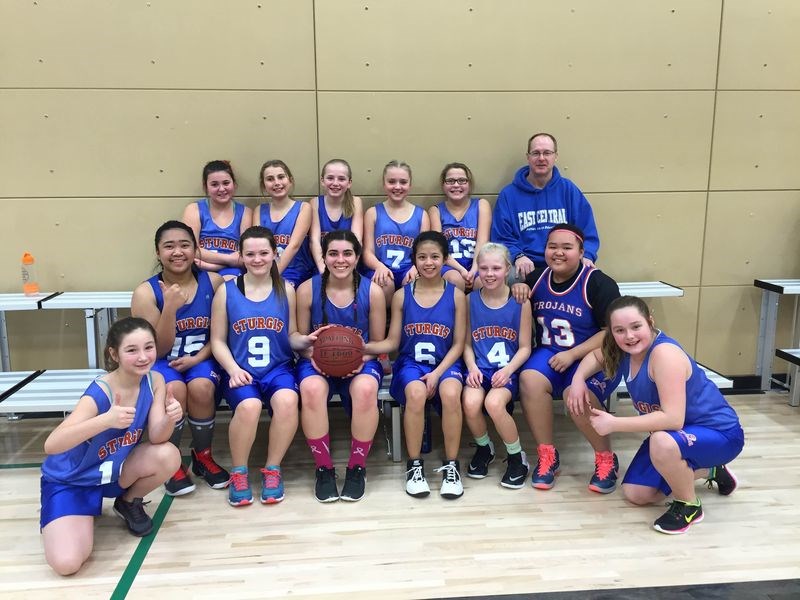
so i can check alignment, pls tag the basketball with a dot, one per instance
(338, 351)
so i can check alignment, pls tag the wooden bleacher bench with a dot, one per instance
(792, 356)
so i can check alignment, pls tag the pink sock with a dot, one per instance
(358, 453)
(321, 451)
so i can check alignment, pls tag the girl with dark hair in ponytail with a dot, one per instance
(340, 296)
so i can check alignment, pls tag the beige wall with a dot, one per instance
(680, 121)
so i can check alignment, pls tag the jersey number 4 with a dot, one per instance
(498, 355)
(559, 333)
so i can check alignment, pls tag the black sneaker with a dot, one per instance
(516, 472)
(355, 483)
(479, 465)
(204, 465)
(678, 518)
(725, 480)
(139, 524)
(180, 483)
(325, 486)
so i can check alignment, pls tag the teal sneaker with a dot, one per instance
(239, 492)
(271, 485)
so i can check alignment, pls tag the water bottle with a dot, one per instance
(30, 284)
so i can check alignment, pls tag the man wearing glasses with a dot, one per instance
(537, 199)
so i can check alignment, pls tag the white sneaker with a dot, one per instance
(416, 484)
(451, 481)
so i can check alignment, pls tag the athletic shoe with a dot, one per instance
(416, 484)
(239, 492)
(679, 517)
(479, 465)
(355, 484)
(271, 485)
(139, 524)
(180, 483)
(724, 478)
(204, 465)
(452, 487)
(516, 472)
(606, 471)
(547, 467)
(385, 363)
(325, 485)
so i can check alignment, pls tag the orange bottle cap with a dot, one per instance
(27, 259)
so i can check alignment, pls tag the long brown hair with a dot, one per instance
(257, 231)
(612, 353)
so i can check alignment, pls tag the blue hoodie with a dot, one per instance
(524, 214)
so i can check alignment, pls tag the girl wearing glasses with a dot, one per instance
(464, 221)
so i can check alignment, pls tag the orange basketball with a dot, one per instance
(338, 351)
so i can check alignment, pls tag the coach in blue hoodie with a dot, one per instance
(537, 199)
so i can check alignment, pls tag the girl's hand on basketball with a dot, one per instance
(118, 416)
(602, 422)
(578, 398)
(562, 361)
(172, 407)
(313, 364)
(360, 368)
(521, 292)
(475, 378)
(501, 377)
(431, 383)
(239, 377)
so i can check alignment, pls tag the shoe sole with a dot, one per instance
(215, 486)
(241, 502)
(513, 486)
(271, 500)
(546, 486)
(600, 490)
(451, 496)
(149, 531)
(477, 475)
(679, 531)
(326, 500)
(419, 494)
(735, 483)
(181, 492)
(350, 498)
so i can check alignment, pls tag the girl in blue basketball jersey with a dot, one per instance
(498, 343)
(97, 452)
(335, 210)
(389, 231)
(252, 322)
(340, 296)
(177, 303)
(569, 301)
(464, 221)
(427, 328)
(218, 220)
(289, 221)
(694, 432)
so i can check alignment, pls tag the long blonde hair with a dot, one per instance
(612, 353)
(348, 204)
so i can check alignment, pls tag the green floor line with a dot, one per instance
(22, 466)
(126, 581)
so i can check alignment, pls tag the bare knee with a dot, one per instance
(663, 448)
(66, 562)
(248, 411)
(284, 405)
(640, 495)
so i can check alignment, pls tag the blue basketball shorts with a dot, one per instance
(279, 378)
(406, 370)
(64, 500)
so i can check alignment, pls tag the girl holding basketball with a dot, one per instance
(389, 231)
(98, 452)
(218, 220)
(498, 343)
(335, 210)
(428, 326)
(340, 296)
(288, 220)
(177, 303)
(464, 221)
(693, 431)
(252, 322)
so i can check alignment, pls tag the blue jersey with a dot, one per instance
(224, 240)
(563, 319)
(98, 460)
(192, 320)
(705, 404)
(302, 265)
(461, 234)
(258, 332)
(393, 240)
(495, 331)
(354, 316)
(326, 224)
(427, 333)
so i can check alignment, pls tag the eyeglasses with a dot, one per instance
(456, 180)
(543, 154)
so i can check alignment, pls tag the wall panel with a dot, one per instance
(516, 45)
(172, 44)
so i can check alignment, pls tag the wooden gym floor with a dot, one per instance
(492, 541)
